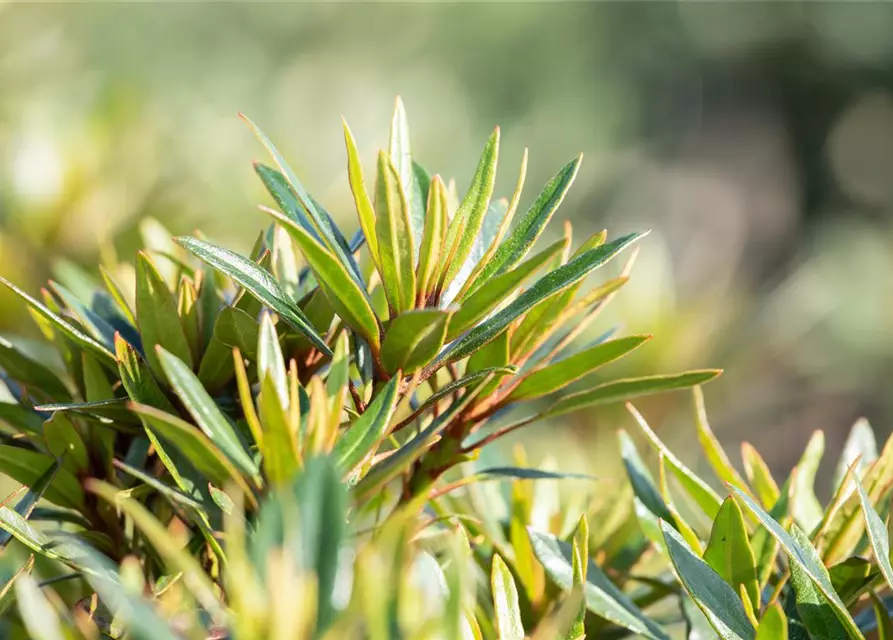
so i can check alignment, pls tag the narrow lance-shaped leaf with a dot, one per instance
(205, 411)
(859, 442)
(877, 534)
(716, 456)
(432, 244)
(258, 282)
(395, 238)
(35, 493)
(505, 602)
(330, 234)
(805, 507)
(473, 280)
(603, 598)
(400, 152)
(469, 217)
(195, 446)
(716, 599)
(558, 375)
(759, 476)
(270, 363)
(350, 301)
(27, 467)
(76, 335)
(28, 371)
(367, 431)
(560, 278)
(627, 389)
(804, 555)
(365, 212)
(156, 314)
(729, 552)
(531, 225)
(700, 491)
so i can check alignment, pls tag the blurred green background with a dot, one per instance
(756, 140)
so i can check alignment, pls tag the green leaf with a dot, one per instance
(805, 507)
(66, 444)
(773, 624)
(877, 534)
(96, 326)
(365, 212)
(258, 282)
(156, 313)
(137, 379)
(729, 552)
(648, 503)
(466, 223)
(205, 412)
(562, 277)
(74, 334)
(700, 491)
(325, 227)
(29, 372)
(235, 328)
(173, 494)
(603, 598)
(621, 390)
(280, 444)
(195, 446)
(349, 300)
(713, 451)
(412, 450)
(716, 599)
(366, 432)
(507, 612)
(392, 227)
(860, 443)
(804, 555)
(21, 419)
(488, 296)
(531, 225)
(882, 616)
(564, 372)
(760, 477)
(270, 363)
(433, 238)
(27, 467)
(35, 493)
(400, 152)
(413, 339)
(816, 612)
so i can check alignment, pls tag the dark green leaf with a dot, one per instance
(258, 282)
(367, 431)
(76, 335)
(804, 555)
(205, 411)
(603, 598)
(35, 493)
(719, 602)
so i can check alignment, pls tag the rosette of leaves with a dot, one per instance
(217, 376)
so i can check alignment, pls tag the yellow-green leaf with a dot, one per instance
(396, 252)
(413, 339)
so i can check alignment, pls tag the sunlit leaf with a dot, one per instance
(729, 552)
(413, 339)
